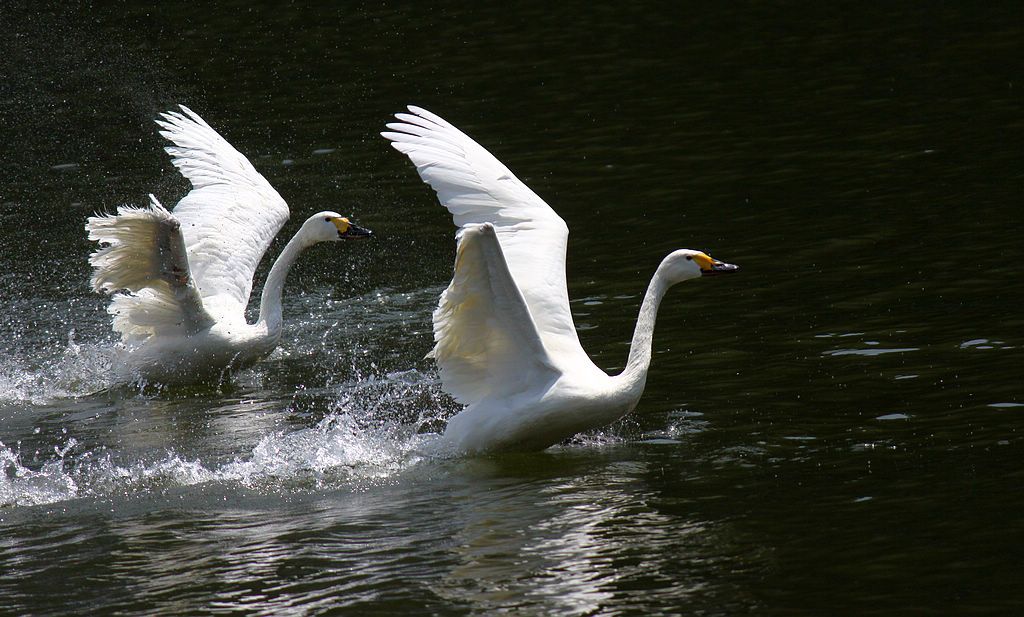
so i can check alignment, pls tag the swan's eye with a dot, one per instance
(689, 258)
(327, 218)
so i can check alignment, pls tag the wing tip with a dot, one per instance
(395, 139)
(425, 114)
(176, 123)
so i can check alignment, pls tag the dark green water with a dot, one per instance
(834, 430)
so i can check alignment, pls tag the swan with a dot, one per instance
(505, 343)
(180, 281)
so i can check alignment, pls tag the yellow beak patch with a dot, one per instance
(341, 223)
(704, 261)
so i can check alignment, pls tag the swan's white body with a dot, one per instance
(505, 342)
(188, 275)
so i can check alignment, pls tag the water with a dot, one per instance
(835, 430)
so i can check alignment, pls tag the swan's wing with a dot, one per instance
(229, 218)
(144, 253)
(477, 188)
(487, 343)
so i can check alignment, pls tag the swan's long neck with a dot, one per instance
(270, 301)
(635, 374)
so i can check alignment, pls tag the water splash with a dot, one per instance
(20, 485)
(76, 369)
(339, 450)
(365, 422)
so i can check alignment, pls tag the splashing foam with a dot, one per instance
(338, 448)
(336, 451)
(76, 369)
(20, 485)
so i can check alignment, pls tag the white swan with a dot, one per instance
(190, 273)
(505, 341)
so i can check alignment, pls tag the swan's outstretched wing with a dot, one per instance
(477, 188)
(230, 216)
(144, 253)
(487, 344)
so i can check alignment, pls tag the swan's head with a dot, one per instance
(330, 226)
(686, 264)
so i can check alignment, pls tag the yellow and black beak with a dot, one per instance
(713, 267)
(347, 230)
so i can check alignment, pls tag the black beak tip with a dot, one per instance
(355, 232)
(719, 269)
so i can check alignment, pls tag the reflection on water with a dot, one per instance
(576, 543)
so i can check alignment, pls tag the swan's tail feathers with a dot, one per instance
(143, 252)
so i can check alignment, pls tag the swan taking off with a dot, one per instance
(504, 337)
(181, 281)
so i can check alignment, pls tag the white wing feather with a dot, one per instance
(476, 188)
(228, 219)
(144, 253)
(487, 342)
